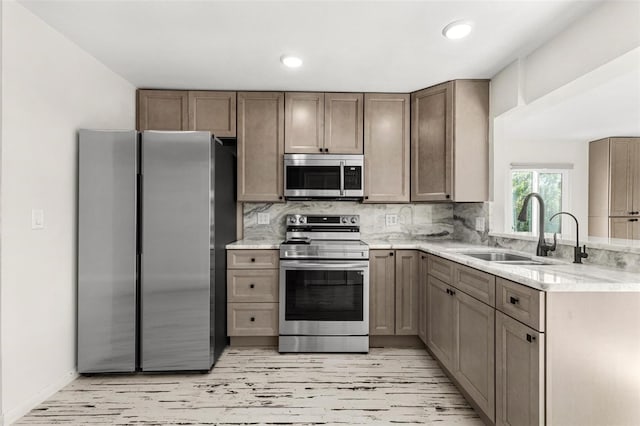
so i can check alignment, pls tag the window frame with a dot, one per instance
(565, 170)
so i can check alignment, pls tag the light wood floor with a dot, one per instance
(260, 386)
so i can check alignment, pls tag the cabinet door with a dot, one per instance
(213, 111)
(441, 321)
(381, 292)
(422, 298)
(163, 110)
(304, 123)
(386, 147)
(343, 123)
(519, 373)
(431, 143)
(475, 358)
(260, 146)
(407, 284)
(621, 153)
(623, 227)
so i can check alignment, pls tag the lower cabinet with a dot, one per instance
(475, 352)
(252, 293)
(393, 292)
(519, 373)
(422, 298)
(461, 335)
(441, 321)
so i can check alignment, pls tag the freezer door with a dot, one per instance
(175, 294)
(107, 171)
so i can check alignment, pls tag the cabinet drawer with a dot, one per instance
(521, 302)
(441, 269)
(252, 319)
(253, 259)
(476, 283)
(252, 285)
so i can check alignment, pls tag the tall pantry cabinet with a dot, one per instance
(614, 188)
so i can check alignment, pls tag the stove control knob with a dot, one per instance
(354, 219)
(345, 220)
(292, 219)
(302, 219)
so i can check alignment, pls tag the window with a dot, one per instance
(551, 182)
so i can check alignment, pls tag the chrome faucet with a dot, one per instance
(543, 248)
(578, 253)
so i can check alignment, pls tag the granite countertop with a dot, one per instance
(559, 276)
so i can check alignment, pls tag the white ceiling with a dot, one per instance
(346, 45)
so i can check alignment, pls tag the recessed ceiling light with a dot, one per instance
(291, 61)
(457, 30)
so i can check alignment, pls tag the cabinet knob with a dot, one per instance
(280, 197)
(253, 259)
(391, 254)
(423, 257)
(253, 319)
(320, 149)
(514, 300)
(530, 338)
(252, 285)
(366, 197)
(326, 150)
(447, 196)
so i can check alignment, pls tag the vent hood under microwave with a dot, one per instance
(323, 176)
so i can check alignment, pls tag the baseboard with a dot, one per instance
(395, 342)
(236, 341)
(15, 414)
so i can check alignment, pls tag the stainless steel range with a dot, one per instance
(324, 285)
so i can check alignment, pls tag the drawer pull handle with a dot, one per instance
(254, 318)
(252, 285)
(530, 338)
(514, 300)
(253, 259)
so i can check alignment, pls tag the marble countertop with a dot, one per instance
(559, 276)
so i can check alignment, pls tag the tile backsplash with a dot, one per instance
(414, 221)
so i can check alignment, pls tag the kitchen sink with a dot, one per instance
(506, 258)
(498, 257)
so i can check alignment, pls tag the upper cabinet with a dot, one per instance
(163, 110)
(343, 123)
(449, 142)
(304, 122)
(260, 146)
(614, 186)
(213, 111)
(187, 110)
(386, 147)
(323, 123)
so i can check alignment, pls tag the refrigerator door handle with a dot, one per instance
(139, 215)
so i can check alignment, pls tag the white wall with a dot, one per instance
(51, 88)
(580, 86)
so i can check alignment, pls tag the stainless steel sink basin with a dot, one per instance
(498, 257)
(506, 258)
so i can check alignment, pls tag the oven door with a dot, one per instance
(324, 297)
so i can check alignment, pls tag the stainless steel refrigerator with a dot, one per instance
(155, 211)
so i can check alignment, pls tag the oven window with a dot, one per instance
(313, 177)
(317, 295)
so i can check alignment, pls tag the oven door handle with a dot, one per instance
(295, 264)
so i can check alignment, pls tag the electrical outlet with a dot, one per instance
(391, 219)
(480, 224)
(263, 218)
(37, 219)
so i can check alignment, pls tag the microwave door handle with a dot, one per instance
(341, 177)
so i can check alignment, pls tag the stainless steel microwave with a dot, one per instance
(310, 176)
